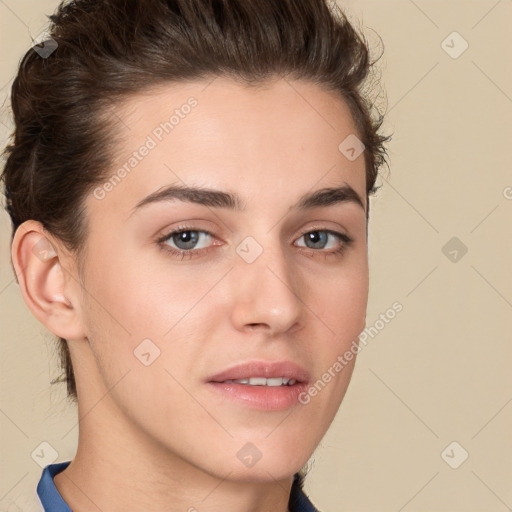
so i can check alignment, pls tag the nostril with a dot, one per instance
(259, 326)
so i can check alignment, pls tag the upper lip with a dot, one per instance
(267, 369)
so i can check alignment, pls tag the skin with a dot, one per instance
(154, 437)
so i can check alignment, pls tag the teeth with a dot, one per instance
(262, 381)
(276, 381)
(258, 381)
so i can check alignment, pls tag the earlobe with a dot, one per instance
(43, 283)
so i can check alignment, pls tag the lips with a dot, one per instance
(267, 369)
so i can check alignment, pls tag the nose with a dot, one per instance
(267, 294)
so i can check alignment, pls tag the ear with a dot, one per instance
(50, 289)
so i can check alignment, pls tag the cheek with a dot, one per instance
(135, 309)
(142, 299)
(340, 301)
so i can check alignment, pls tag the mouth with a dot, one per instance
(267, 386)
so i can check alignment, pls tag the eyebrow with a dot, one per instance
(232, 201)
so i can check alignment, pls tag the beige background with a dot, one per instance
(440, 370)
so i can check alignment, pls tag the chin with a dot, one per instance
(252, 465)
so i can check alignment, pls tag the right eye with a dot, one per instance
(185, 240)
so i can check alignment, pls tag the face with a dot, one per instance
(181, 287)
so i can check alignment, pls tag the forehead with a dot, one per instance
(279, 138)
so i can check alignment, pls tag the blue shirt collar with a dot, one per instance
(48, 494)
(52, 501)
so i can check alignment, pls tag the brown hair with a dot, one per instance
(108, 50)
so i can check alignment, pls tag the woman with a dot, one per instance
(188, 184)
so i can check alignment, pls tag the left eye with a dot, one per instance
(319, 237)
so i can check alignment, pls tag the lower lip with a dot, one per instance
(267, 398)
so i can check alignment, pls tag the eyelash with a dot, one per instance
(193, 253)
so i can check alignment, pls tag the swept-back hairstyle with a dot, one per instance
(104, 51)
